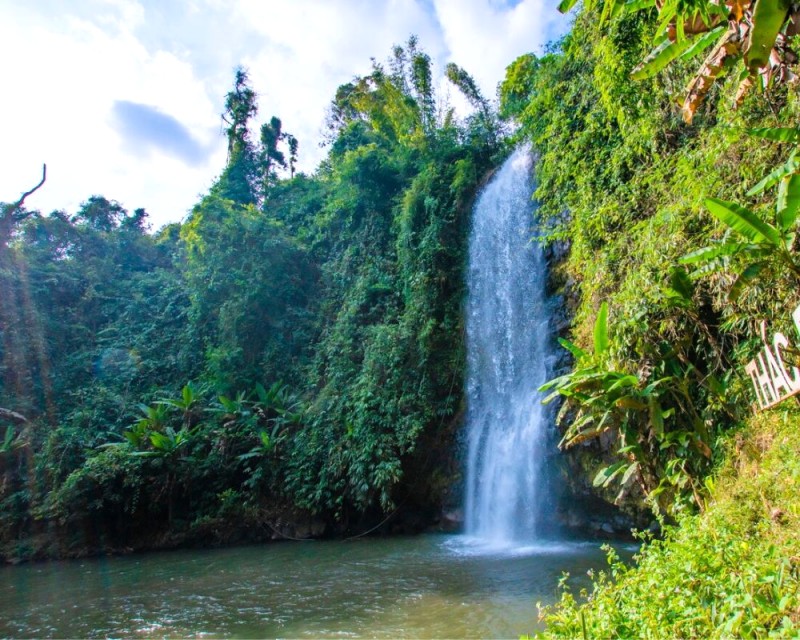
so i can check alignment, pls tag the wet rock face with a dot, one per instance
(305, 529)
(451, 521)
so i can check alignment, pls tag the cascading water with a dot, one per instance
(508, 348)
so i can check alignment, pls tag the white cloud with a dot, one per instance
(68, 78)
(311, 48)
(485, 37)
(72, 65)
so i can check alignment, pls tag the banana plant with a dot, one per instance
(278, 405)
(167, 444)
(598, 398)
(168, 447)
(152, 418)
(264, 447)
(758, 32)
(186, 404)
(637, 406)
(235, 410)
(270, 399)
(755, 243)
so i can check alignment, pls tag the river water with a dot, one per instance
(431, 586)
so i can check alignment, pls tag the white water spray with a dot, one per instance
(507, 352)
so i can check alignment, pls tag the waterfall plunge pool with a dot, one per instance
(429, 586)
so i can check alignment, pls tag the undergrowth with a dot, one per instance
(732, 570)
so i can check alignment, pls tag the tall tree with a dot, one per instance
(239, 180)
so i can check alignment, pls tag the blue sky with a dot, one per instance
(123, 97)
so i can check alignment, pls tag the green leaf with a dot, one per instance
(788, 202)
(743, 221)
(623, 381)
(745, 277)
(9, 437)
(789, 167)
(665, 52)
(777, 134)
(610, 9)
(607, 474)
(681, 283)
(702, 42)
(565, 5)
(601, 330)
(707, 254)
(768, 17)
(628, 473)
(574, 349)
(261, 392)
(656, 415)
(665, 16)
(638, 5)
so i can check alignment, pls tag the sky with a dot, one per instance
(123, 98)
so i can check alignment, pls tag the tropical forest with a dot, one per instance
(505, 365)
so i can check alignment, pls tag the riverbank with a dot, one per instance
(732, 570)
(237, 527)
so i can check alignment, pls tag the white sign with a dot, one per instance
(772, 381)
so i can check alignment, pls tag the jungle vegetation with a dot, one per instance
(292, 349)
(295, 346)
(672, 187)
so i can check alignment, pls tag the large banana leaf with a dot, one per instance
(607, 474)
(574, 349)
(565, 5)
(701, 42)
(788, 201)
(768, 18)
(778, 134)
(792, 165)
(665, 52)
(749, 274)
(743, 221)
(638, 5)
(713, 252)
(715, 64)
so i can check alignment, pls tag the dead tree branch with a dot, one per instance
(18, 204)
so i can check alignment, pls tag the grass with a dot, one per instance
(731, 571)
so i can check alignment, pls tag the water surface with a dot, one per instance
(431, 586)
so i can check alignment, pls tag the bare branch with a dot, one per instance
(18, 204)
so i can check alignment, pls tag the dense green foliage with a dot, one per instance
(625, 182)
(731, 572)
(681, 240)
(294, 346)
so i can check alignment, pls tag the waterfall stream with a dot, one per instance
(508, 348)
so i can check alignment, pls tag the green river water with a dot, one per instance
(432, 586)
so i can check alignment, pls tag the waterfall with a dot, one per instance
(508, 347)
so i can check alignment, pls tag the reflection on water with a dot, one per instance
(428, 586)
